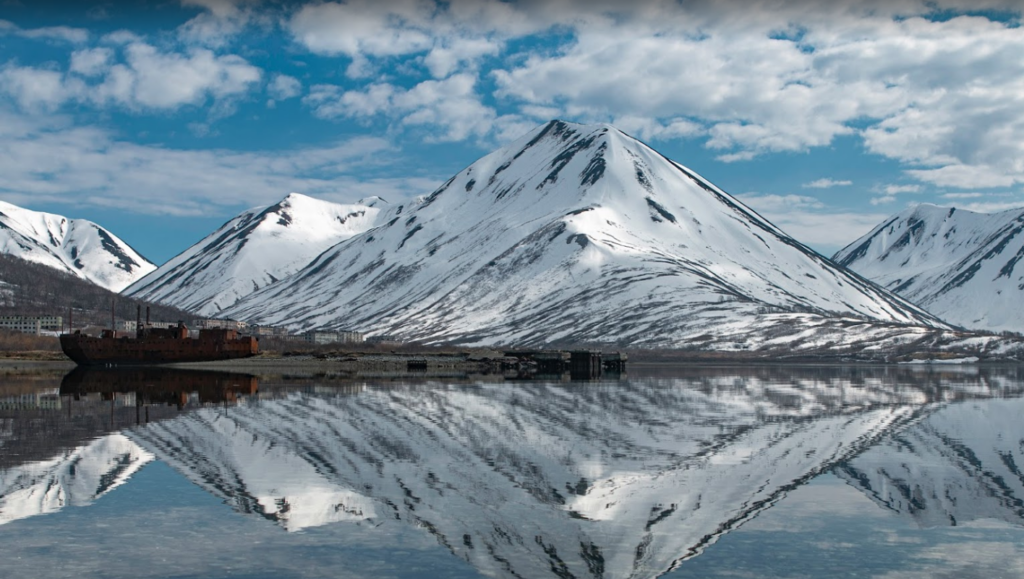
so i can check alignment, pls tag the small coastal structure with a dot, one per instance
(320, 337)
(218, 324)
(32, 324)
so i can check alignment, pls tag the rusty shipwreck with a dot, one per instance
(156, 345)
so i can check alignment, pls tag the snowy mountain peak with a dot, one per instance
(373, 201)
(573, 233)
(74, 246)
(251, 251)
(958, 264)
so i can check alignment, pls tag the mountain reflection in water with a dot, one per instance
(599, 479)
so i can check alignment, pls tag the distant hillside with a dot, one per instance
(957, 264)
(75, 246)
(33, 289)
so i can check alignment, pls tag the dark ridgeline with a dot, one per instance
(32, 289)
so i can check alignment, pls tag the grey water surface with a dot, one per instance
(749, 471)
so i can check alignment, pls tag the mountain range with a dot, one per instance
(74, 246)
(960, 265)
(573, 234)
(576, 234)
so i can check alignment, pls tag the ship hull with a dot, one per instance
(91, 351)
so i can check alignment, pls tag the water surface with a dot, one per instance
(677, 472)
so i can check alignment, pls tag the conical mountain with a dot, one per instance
(572, 234)
(254, 249)
(960, 265)
(74, 246)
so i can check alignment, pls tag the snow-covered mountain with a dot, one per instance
(253, 250)
(75, 477)
(576, 234)
(537, 480)
(959, 464)
(74, 246)
(957, 264)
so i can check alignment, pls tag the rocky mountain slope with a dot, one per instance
(256, 248)
(581, 234)
(74, 246)
(959, 265)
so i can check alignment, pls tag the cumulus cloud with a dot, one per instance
(284, 87)
(942, 95)
(34, 88)
(826, 183)
(364, 27)
(91, 61)
(146, 78)
(450, 105)
(219, 22)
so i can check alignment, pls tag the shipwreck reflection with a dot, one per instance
(624, 479)
(61, 442)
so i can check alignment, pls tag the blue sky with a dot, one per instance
(160, 120)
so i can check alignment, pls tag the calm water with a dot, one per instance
(678, 472)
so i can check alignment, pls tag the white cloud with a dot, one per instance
(146, 79)
(826, 183)
(284, 87)
(167, 80)
(993, 207)
(882, 200)
(220, 21)
(62, 33)
(34, 88)
(967, 176)
(445, 59)
(364, 27)
(91, 61)
(774, 203)
(52, 162)
(646, 128)
(897, 189)
(811, 222)
(450, 105)
(121, 37)
(963, 195)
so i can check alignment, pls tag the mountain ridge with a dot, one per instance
(76, 246)
(957, 264)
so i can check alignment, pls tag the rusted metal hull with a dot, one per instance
(90, 351)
